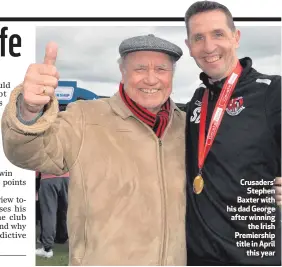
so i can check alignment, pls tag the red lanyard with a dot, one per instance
(226, 92)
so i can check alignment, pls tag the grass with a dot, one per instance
(60, 258)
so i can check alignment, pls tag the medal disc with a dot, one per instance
(198, 184)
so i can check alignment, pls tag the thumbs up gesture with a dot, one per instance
(40, 82)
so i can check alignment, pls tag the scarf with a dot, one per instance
(157, 122)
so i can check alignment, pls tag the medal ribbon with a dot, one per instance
(221, 104)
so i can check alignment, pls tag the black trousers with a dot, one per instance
(53, 201)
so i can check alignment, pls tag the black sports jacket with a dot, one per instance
(245, 157)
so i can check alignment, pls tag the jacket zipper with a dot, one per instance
(164, 195)
(212, 94)
(164, 206)
(164, 212)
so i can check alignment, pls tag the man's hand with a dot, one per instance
(278, 190)
(39, 83)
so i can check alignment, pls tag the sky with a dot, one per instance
(89, 54)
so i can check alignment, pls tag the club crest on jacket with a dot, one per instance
(235, 106)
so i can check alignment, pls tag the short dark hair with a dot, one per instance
(204, 6)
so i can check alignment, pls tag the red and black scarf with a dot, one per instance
(157, 122)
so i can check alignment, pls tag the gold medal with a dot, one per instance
(198, 184)
(204, 144)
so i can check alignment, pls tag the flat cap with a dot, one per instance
(149, 43)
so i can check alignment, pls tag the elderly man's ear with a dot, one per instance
(122, 71)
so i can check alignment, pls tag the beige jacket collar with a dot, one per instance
(120, 108)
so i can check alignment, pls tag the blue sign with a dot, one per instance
(67, 92)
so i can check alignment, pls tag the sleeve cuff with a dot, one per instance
(19, 115)
(49, 115)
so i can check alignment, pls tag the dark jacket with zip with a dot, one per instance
(246, 149)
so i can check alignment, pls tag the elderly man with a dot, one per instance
(125, 156)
